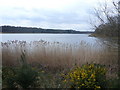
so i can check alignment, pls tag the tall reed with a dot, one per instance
(57, 55)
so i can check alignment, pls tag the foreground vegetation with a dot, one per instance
(52, 65)
(86, 76)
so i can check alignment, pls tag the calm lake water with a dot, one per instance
(61, 38)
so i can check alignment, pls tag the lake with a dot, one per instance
(62, 38)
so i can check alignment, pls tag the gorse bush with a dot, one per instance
(87, 76)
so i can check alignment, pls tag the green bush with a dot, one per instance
(87, 76)
(23, 76)
(8, 79)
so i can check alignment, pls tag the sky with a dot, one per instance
(55, 14)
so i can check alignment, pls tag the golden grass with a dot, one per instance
(57, 54)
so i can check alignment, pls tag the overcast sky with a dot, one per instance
(60, 14)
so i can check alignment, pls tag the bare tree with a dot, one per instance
(107, 16)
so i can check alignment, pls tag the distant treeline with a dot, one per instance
(13, 29)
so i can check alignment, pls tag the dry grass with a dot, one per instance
(54, 55)
(58, 56)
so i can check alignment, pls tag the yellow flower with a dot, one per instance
(84, 76)
(97, 86)
(88, 79)
(92, 75)
(83, 84)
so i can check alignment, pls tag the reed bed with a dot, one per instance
(53, 60)
(57, 55)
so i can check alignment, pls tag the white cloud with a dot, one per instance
(71, 14)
